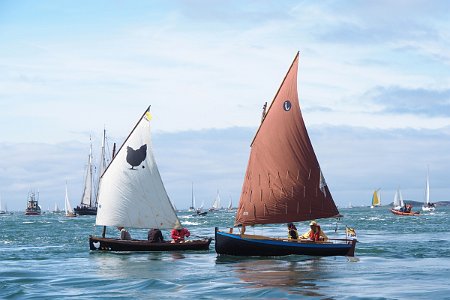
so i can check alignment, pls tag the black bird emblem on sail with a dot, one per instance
(136, 157)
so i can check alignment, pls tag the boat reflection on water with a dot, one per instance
(293, 276)
(134, 265)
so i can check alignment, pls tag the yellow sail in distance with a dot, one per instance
(376, 199)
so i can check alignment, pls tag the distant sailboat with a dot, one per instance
(67, 207)
(132, 194)
(376, 199)
(428, 206)
(283, 183)
(216, 204)
(56, 210)
(192, 207)
(398, 200)
(3, 211)
(88, 205)
(230, 205)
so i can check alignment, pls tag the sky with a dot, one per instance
(374, 89)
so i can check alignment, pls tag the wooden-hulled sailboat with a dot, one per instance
(283, 183)
(88, 205)
(131, 194)
(67, 206)
(376, 199)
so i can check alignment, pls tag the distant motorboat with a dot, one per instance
(199, 212)
(403, 213)
(33, 208)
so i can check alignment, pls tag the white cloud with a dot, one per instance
(354, 161)
(203, 67)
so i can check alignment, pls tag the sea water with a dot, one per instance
(48, 256)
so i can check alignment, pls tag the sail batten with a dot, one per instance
(282, 146)
(131, 191)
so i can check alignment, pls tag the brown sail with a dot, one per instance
(284, 182)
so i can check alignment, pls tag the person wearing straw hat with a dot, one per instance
(315, 233)
(179, 233)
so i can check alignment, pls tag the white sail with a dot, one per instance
(427, 191)
(86, 199)
(427, 206)
(230, 205)
(67, 207)
(56, 208)
(216, 204)
(398, 199)
(2, 211)
(131, 191)
(192, 207)
(401, 198)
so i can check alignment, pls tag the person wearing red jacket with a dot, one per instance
(178, 234)
(315, 233)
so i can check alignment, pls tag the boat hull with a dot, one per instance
(234, 244)
(401, 213)
(32, 213)
(110, 244)
(428, 208)
(86, 211)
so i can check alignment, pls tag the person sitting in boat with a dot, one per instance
(408, 208)
(292, 231)
(155, 236)
(124, 234)
(315, 233)
(178, 234)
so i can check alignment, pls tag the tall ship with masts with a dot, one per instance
(88, 205)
